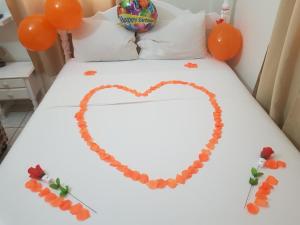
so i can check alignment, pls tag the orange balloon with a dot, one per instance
(64, 14)
(36, 33)
(224, 41)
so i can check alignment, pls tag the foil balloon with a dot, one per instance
(137, 15)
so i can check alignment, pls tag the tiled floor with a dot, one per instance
(15, 121)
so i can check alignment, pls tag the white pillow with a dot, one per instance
(99, 39)
(181, 38)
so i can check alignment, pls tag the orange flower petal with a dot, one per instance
(135, 175)
(261, 196)
(253, 209)
(57, 202)
(271, 164)
(75, 209)
(90, 73)
(84, 214)
(203, 157)
(37, 188)
(263, 191)
(191, 65)
(266, 185)
(161, 183)
(65, 205)
(152, 184)
(198, 164)
(172, 183)
(50, 197)
(144, 178)
(180, 179)
(261, 202)
(272, 180)
(281, 164)
(44, 192)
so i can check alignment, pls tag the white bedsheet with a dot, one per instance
(160, 136)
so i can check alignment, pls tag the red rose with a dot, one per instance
(36, 173)
(266, 153)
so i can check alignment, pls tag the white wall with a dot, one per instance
(9, 40)
(3, 7)
(197, 5)
(255, 19)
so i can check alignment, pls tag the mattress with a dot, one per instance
(160, 134)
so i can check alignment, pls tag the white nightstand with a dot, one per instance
(18, 81)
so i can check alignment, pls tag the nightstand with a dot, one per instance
(18, 81)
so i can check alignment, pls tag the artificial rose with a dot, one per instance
(36, 173)
(266, 153)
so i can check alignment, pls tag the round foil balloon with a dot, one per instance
(137, 15)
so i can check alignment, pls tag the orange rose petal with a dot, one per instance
(84, 214)
(191, 65)
(272, 180)
(152, 184)
(161, 183)
(271, 164)
(75, 209)
(261, 196)
(192, 170)
(172, 183)
(115, 163)
(261, 202)
(197, 164)
(253, 209)
(128, 173)
(208, 152)
(186, 174)
(30, 184)
(44, 192)
(90, 73)
(266, 185)
(37, 188)
(281, 164)
(135, 175)
(57, 202)
(263, 191)
(210, 145)
(50, 197)
(203, 157)
(180, 179)
(144, 178)
(65, 205)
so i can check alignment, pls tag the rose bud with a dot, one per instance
(36, 173)
(266, 153)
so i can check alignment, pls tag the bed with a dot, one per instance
(149, 142)
(159, 134)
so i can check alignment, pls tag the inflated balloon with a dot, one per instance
(224, 41)
(137, 15)
(64, 14)
(36, 33)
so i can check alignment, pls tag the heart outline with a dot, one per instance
(143, 178)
